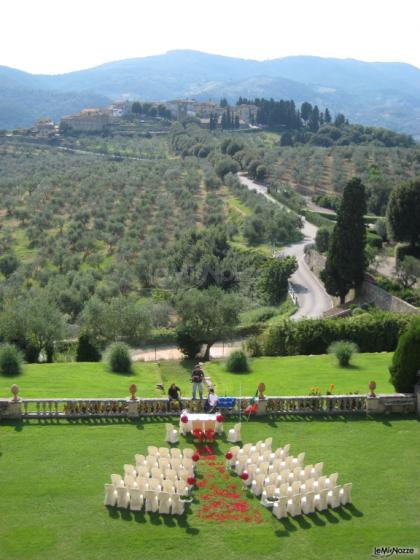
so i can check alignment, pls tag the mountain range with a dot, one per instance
(383, 94)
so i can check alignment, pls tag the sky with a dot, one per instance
(56, 36)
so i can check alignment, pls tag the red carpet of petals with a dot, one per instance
(221, 496)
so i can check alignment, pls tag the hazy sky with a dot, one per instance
(53, 36)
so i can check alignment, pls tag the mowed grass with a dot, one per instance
(52, 475)
(291, 375)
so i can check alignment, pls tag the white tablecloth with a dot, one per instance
(187, 427)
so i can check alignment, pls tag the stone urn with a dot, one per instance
(133, 391)
(372, 387)
(15, 392)
(261, 389)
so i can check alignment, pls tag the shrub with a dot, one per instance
(253, 346)
(186, 342)
(10, 360)
(86, 351)
(406, 360)
(343, 350)
(237, 362)
(118, 358)
(372, 332)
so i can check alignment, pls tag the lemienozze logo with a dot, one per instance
(387, 551)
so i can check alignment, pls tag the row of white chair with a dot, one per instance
(174, 486)
(166, 452)
(168, 474)
(311, 501)
(285, 475)
(152, 500)
(160, 463)
(261, 451)
(285, 489)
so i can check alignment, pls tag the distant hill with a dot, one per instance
(380, 93)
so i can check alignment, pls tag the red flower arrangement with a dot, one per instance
(244, 475)
(229, 455)
(191, 480)
(195, 457)
(184, 419)
(220, 418)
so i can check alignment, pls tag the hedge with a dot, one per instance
(377, 332)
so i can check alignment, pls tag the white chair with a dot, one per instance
(320, 484)
(123, 497)
(251, 470)
(257, 447)
(129, 469)
(267, 444)
(164, 499)
(117, 480)
(182, 488)
(263, 468)
(136, 499)
(271, 479)
(333, 497)
(317, 470)
(277, 454)
(307, 486)
(345, 493)
(176, 464)
(143, 472)
(241, 463)
(276, 466)
(151, 503)
(257, 484)
(331, 481)
(253, 458)
(294, 488)
(283, 490)
(234, 450)
(151, 462)
(140, 460)
(187, 453)
(154, 484)
(265, 456)
(283, 476)
(177, 505)
(171, 475)
(288, 462)
(320, 500)
(234, 434)
(130, 481)
(218, 427)
(307, 503)
(245, 450)
(269, 495)
(164, 463)
(280, 508)
(188, 464)
(296, 473)
(171, 434)
(164, 453)
(110, 495)
(152, 450)
(305, 473)
(176, 453)
(294, 506)
(299, 459)
(142, 484)
(168, 486)
(156, 472)
(184, 475)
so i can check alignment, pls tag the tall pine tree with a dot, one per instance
(346, 261)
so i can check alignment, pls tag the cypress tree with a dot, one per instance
(346, 261)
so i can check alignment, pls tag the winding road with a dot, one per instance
(312, 298)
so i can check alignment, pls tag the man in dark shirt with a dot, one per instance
(174, 394)
(197, 378)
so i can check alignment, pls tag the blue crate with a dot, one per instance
(226, 402)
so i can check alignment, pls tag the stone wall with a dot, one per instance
(369, 292)
(382, 299)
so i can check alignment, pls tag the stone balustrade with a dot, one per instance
(134, 407)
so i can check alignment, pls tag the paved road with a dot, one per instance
(312, 298)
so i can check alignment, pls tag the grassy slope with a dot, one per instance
(282, 376)
(52, 491)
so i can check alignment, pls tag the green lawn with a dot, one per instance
(294, 375)
(52, 475)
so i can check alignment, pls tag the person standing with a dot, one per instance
(197, 378)
(174, 394)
